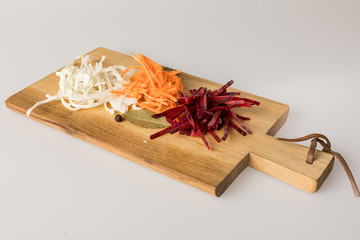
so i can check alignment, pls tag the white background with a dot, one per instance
(302, 53)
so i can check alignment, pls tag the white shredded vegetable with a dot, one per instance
(121, 103)
(88, 86)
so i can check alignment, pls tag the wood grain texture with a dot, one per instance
(184, 158)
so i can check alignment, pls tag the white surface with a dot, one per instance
(303, 53)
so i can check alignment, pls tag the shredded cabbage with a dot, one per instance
(88, 86)
(122, 103)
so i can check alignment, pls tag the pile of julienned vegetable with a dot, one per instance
(205, 111)
(154, 88)
(87, 85)
(148, 86)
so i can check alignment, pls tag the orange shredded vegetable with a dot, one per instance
(155, 89)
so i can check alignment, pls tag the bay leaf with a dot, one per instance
(142, 118)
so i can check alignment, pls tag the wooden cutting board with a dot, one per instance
(181, 157)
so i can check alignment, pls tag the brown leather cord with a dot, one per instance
(325, 143)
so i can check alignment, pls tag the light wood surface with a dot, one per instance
(184, 158)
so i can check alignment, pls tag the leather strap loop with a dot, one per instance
(325, 143)
(311, 152)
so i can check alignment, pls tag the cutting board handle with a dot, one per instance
(287, 162)
(325, 142)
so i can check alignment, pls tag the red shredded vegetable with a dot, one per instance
(204, 111)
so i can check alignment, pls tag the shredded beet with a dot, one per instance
(205, 111)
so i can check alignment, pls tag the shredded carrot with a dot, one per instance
(155, 89)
